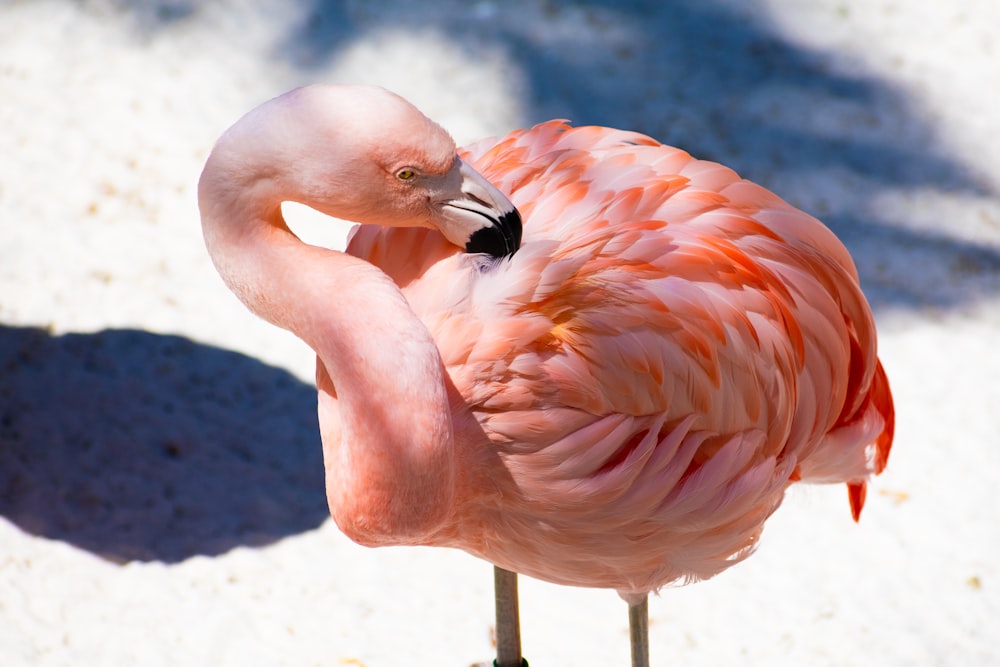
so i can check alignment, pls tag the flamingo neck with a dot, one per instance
(384, 409)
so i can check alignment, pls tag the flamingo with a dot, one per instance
(616, 396)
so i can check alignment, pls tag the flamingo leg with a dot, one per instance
(508, 623)
(638, 630)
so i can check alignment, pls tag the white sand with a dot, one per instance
(192, 466)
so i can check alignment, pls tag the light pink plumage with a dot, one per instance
(622, 403)
(670, 349)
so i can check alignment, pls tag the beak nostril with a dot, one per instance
(478, 200)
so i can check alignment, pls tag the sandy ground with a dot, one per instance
(161, 496)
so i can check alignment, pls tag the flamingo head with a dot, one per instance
(364, 154)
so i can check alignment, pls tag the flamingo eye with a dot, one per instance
(406, 174)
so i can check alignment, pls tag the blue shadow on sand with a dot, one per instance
(714, 78)
(719, 80)
(140, 446)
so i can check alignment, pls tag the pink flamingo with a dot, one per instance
(620, 403)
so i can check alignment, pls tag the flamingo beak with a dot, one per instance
(478, 217)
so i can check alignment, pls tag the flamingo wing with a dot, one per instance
(669, 349)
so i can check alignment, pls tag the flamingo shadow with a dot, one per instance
(141, 446)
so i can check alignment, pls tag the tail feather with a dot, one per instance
(879, 397)
(856, 492)
(857, 447)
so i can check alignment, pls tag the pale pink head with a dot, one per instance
(364, 154)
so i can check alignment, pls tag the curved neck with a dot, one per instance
(384, 409)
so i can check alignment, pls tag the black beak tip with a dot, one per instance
(499, 240)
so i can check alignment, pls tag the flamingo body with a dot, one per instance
(670, 349)
(621, 403)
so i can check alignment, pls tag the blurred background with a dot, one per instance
(161, 489)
